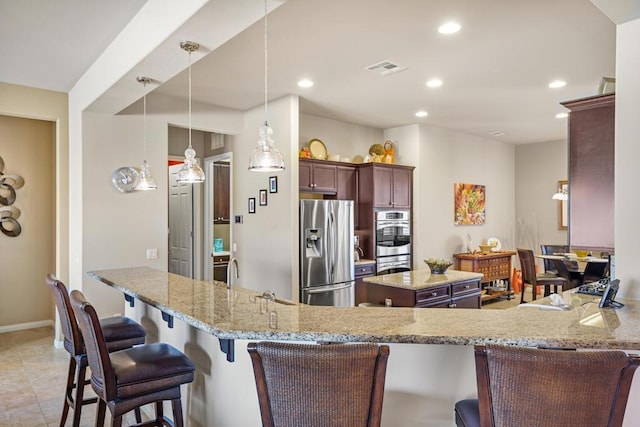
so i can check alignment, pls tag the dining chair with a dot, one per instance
(550, 250)
(119, 333)
(530, 277)
(563, 271)
(527, 387)
(319, 385)
(127, 379)
(594, 271)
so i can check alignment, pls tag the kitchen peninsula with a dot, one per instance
(244, 314)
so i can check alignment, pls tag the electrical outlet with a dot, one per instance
(152, 253)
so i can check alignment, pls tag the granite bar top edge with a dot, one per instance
(617, 329)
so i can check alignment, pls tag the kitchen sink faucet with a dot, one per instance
(233, 261)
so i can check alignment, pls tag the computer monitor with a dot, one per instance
(609, 295)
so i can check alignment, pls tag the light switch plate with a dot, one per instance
(152, 253)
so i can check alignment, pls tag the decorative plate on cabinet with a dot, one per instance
(494, 243)
(317, 149)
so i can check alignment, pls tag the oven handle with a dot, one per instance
(393, 264)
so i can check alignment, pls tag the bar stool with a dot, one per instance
(127, 379)
(119, 332)
(520, 386)
(319, 385)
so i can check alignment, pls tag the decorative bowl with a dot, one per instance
(438, 266)
(486, 249)
(581, 254)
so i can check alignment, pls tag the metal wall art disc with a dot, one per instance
(9, 183)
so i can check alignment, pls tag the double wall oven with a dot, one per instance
(393, 241)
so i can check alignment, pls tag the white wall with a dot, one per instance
(627, 153)
(266, 241)
(539, 167)
(345, 139)
(445, 158)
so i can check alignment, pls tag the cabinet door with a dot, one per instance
(325, 178)
(221, 181)
(402, 182)
(469, 301)
(382, 187)
(305, 176)
(347, 188)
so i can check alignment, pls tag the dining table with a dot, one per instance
(575, 265)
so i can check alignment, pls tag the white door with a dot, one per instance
(180, 225)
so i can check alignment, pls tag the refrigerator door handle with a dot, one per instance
(324, 289)
(331, 244)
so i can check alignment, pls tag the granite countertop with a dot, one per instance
(364, 261)
(243, 314)
(422, 279)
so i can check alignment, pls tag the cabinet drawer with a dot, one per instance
(220, 258)
(364, 270)
(432, 294)
(465, 287)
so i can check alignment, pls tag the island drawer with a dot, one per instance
(427, 296)
(465, 287)
(365, 270)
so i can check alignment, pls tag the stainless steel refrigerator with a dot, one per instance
(326, 253)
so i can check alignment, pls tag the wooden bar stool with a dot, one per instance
(319, 385)
(119, 332)
(127, 379)
(528, 387)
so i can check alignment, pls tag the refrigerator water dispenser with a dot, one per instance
(313, 242)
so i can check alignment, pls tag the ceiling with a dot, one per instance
(495, 70)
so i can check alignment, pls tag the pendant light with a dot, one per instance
(145, 181)
(190, 171)
(265, 157)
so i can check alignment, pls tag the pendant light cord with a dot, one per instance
(189, 99)
(144, 123)
(266, 111)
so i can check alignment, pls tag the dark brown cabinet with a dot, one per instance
(221, 181)
(463, 294)
(385, 186)
(317, 176)
(347, 188)
(361, 271)
(220, 265)
(591, 172)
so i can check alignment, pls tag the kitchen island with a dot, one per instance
(244, 314)
(431, 365)
(422, 288)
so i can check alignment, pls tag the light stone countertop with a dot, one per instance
(364, 261)
(422, 279)
(243, 314)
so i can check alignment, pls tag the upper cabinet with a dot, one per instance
(221, 180)
(317, 176)
(385, 186)
(591, 172)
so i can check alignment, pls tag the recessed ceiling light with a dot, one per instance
(422, 114)
(562, 115)
(434, 83)
(305, 83)
(449, 28)
(557, 83)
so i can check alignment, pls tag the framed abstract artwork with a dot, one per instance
(469, 200)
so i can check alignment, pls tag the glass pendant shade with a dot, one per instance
(266, 157)
(145, 181)
(560, 195)
(190, 172)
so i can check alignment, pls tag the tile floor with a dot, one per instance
(33, 376)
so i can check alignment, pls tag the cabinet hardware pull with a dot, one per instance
(434, 294)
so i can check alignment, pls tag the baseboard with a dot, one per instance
(28, 325)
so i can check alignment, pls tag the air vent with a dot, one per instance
(386, 67)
